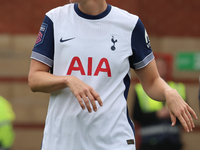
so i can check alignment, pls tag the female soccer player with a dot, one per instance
(82, 56)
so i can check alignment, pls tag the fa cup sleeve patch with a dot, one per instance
(41, 34)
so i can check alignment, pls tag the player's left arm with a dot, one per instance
(159, 90)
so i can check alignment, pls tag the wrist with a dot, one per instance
(68, 80)
(168, 91)
(169, 94)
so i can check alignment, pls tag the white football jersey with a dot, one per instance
(99, 50)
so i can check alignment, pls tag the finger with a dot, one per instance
(190, 118)
(87, 103)
(173, 118)
(81, 102)
(183, 122)
(192, 112)
(92, 101)
(97, 97)
(187, 120)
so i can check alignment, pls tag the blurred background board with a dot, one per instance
(188, 61)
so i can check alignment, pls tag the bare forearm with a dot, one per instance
(156, 90)
(152, 83)
(45, 82)
(40, 80)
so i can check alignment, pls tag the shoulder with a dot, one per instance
(125, 14)
(124, 18)
(59, 10)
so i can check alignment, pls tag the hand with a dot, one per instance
(180, 109)
(84, 92)
(163, 113)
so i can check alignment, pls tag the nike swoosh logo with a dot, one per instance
(61, 40)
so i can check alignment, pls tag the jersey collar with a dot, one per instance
(86, 16)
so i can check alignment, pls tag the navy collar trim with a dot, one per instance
(86, 16)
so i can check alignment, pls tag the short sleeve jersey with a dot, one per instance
(99, 50)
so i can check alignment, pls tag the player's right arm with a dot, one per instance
(41, 80)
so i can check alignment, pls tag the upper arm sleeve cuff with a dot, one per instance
(42, 58)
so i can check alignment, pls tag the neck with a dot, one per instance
(93, 7)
